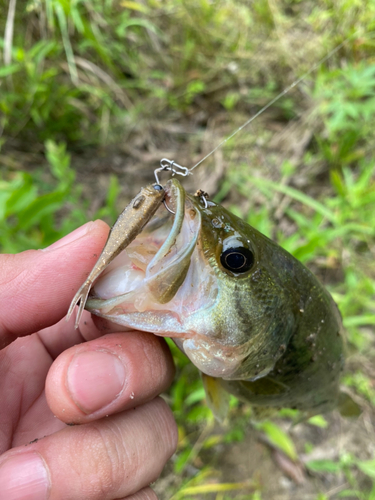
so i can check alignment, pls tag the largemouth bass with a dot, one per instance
(252, 318)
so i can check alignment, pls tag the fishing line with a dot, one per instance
(285, 91)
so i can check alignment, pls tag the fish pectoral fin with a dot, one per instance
(217, 397)
(347, 406)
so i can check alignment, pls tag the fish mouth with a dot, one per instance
(164, 284)
(161, 279)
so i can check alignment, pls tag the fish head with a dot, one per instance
(222, 290)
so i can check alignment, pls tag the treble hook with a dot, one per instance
(203, 196)
(170, 166)
(204, 200)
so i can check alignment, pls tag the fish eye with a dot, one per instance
(237, 260)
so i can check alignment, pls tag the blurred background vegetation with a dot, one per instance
(94, 93)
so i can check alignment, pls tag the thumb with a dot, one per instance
(36, 286)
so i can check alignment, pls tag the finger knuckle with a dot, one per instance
(145, 494)
(102, 464)
(165, 425)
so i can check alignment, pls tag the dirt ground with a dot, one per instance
(278, 478)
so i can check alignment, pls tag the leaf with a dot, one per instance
(318, 421)
(366, 319)
(22, 196)
(59, 161)
(40, 50)
(63, 24)
(200, 413)
(337, 183)
(212, 441)
(323, 466)
(348, 493)
(182, 460)
(296, 195)
(47, 203)
(279, 438)
(367, 468)
(195, 396)
(134, 6)
(9, 70)
(213, 488)
(372, 493)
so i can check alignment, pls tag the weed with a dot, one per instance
(79, 74)
(351, 468)
(37, 209)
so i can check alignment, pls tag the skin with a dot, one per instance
(53, 374)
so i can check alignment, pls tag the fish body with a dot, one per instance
(294, 326)
(254, 320)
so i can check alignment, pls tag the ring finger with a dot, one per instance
(103, 460)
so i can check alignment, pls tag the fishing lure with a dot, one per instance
(128, 225)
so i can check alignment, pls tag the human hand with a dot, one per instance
(59, 375)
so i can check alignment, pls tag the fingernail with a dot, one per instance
(24, 476)
(95, 379)
(69, 238)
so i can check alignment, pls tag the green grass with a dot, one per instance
(39, 207)
(82, 76)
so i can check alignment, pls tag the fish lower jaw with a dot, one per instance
(209, 359)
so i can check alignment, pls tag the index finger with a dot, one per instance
(36, 286)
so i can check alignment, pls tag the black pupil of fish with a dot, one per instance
(237, 260)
